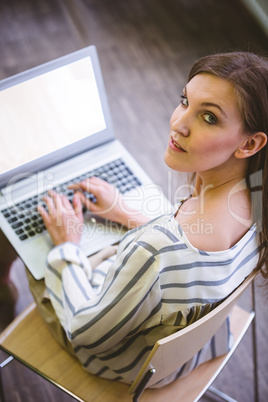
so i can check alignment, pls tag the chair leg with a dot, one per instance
(254, 346)
(143, 384)
(221, 395)
(2, 365)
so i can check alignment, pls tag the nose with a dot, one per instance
(180, 123)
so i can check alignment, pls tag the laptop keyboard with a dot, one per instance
(27, 222)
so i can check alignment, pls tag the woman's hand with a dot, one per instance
(63, 220)
(108, 204)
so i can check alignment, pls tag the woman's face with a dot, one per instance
(206, 128)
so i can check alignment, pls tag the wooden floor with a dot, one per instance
(146, 48)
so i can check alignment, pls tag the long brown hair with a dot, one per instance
(248, 74)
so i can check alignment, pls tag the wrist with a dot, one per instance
(131, 219)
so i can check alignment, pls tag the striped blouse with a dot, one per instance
(157, 284)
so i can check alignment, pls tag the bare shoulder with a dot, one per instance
(215, 225)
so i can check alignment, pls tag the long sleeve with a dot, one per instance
(99, 320)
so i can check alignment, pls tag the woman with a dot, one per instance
(169, 272)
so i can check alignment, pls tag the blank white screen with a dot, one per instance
(49, 112)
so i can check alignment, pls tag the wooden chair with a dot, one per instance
(28, 340)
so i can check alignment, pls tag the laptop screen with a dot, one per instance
(52, 115)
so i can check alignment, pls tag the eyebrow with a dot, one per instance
(209, 104)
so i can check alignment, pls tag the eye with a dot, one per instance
(184, 100)
(209, 118)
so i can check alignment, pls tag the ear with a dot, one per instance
(251, 146)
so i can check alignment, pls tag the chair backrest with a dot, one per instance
(172, 352)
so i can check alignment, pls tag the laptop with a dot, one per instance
(56, 129)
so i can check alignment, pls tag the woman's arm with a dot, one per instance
(99, 321)
(64, 220)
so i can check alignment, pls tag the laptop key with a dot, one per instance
(19, 231)
(17, 225)
(13, 219)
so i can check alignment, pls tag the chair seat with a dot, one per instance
(41, 353)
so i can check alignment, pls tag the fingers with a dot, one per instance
(62, 219)
(85, 201)
(50, 212)
(78, 207)
(43, 214)
(50, 205)
(95, 186)
(58, 204)
(91, 185)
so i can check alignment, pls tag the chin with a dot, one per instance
(173, 164)
(169, 161)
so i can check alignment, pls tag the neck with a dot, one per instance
(208, 181)
(201, 188)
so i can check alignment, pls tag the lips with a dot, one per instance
(175, 145)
